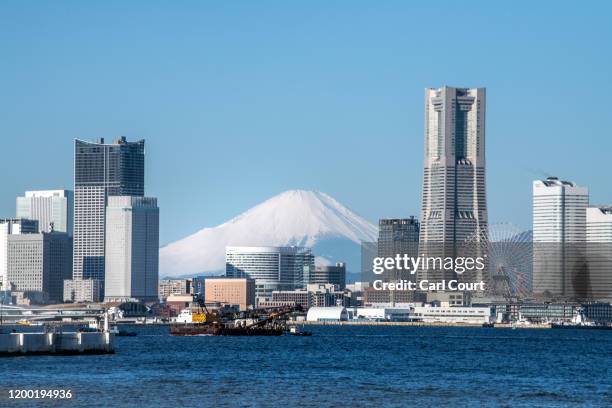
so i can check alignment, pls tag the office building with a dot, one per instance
(451, 314)
(333, 274)
(198, 285)
(454, 206)
(599, 252)
(11, 227)
(100, 170)
(53, 209)
(273, 268)
(38, 264)
(548, 312)
(314, 295)
(230, 291)
(398, 237)
(169, 287)
(599, 224)
(559, 211)
(372, 296)
(397, 230)
(132, 249)
(598, 312)
(559, 236)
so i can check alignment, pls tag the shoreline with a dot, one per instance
(420, 324)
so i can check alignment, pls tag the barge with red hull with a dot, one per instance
(262, 323)
(213, 330)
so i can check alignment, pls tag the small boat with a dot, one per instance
(121, 333)
(295, 331)
(87, 330)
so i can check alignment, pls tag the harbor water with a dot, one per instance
(349, 366)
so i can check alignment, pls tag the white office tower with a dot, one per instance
(454, 206)
(48, 207)
(599, 250)
(559, 236)
(11, 227)
(273, 268)
(132, 249)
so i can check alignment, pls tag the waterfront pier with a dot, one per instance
(13, 344)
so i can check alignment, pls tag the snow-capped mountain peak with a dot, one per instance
(294, 217)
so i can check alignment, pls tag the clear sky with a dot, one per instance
(239, 101)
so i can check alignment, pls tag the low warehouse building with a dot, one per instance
(327, 314)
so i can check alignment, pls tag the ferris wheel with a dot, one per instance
(509, 259)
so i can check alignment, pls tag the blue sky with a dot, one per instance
(239, 101)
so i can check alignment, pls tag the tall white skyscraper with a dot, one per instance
(48, 206)
(132, 249)
(11, 227)
(559, 236)
(599, 250)
(454, 206)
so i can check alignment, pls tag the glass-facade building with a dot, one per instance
(324, 274)
(100, 170)
(273, 268)
(398, 236)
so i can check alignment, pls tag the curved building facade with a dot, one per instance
(273, 268)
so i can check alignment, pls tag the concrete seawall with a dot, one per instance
(56, 343)
(414, 324)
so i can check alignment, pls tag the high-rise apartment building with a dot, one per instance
(53, 209)
(454, 205)
(559, 236)
(599, 252)
(132, 249)
(11, 227)
(273, 268)
(39, 263)
(100, 170)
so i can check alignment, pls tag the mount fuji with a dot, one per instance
(295, 217)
